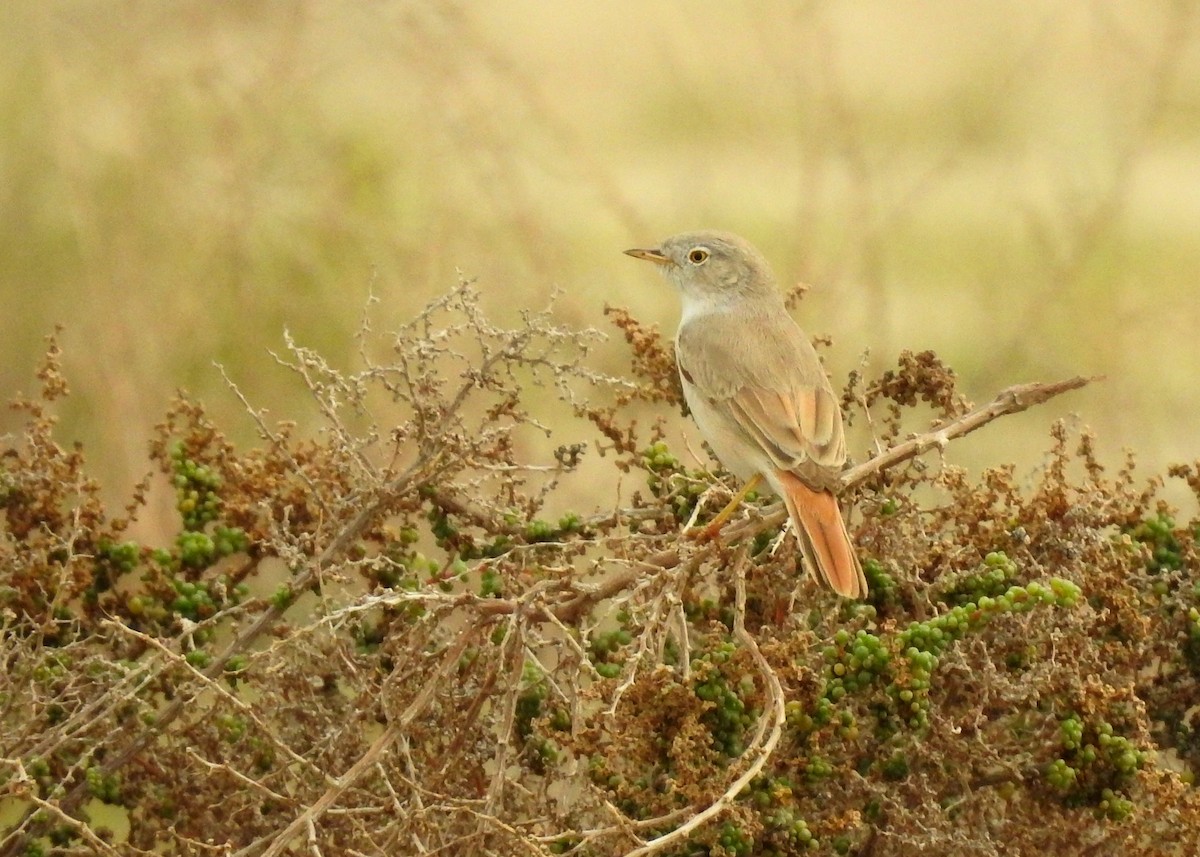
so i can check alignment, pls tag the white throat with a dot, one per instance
(695, 306)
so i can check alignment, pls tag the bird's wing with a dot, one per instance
(777, 392)
(794, 427)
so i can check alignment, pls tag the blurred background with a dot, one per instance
(1014, 185)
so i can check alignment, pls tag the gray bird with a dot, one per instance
(758, 392)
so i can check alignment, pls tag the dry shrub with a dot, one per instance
(375, 640)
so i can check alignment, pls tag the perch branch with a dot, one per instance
(1010, 401)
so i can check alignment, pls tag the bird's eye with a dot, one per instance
(697, 255)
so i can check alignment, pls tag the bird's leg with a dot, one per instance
(713, 527)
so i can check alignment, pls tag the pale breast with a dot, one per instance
(733, 447)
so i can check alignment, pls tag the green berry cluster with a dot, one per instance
(121, 557)
(934, 635)
(735, 841)
(1191, 646)
(444, 531)
(794, 832)
(229, 540)
(234, 669)
(854, 662)
(668, 479)
(600, 774)
(1095, 768)
(905, 663)
(709, 610)
(105, 787)
(400, 567)
(842, 845)
(727, 716)
(817, 769)
(529, 702)
(804, 721)
(538, 751)
(1158, 533)
(537, 530)
(881, 586)
(766, 792)
(54, 666)
(196, 487)
(991, 581)
(923, 642)
(604, 647)
(195, 600)
(198, 658)
(232, 727)
(196, 549)
(1061, 775)
(283, 597)
(454, 541)
(113, 559)
(38, 769)
(145, 607)
(200, 550)
(658, 459)
(491, 585)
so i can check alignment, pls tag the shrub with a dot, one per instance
(391, 636)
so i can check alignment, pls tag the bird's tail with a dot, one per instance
(823, 536)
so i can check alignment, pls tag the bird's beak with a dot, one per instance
(655, 256)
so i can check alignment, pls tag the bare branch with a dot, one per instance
(765, 749)
(1010, 401)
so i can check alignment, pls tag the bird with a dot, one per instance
(758, 392)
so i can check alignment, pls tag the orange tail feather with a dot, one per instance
(823, 536)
